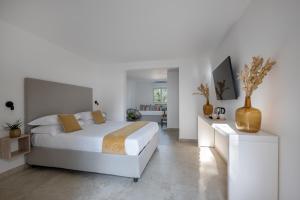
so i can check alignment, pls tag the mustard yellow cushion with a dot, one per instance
(98, 117)
(69, 123)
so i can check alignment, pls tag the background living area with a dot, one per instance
(155, 94)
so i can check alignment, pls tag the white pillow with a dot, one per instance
(85, 116)
(51, 129)
(88, 122)
(47, 120)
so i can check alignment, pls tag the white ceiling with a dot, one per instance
(151, 75)
(127, 30)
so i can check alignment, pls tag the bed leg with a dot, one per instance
(135, 180)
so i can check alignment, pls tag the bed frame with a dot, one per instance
(45, 98)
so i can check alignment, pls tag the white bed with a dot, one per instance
(82, 150)
(90, 138)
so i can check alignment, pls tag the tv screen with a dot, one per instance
(224, 81)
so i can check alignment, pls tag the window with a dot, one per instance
(160, 95)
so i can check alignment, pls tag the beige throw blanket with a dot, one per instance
(114, 143)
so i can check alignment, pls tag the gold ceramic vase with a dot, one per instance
(14, 133)
(247, 118)
(207, 108)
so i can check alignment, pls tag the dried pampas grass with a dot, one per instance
(253, 76)
(203, 90)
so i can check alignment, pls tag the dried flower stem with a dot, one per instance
(203, 90)
(253, 76)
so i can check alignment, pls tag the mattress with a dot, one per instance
(91, 136)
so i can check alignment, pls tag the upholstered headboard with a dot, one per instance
(46, 98)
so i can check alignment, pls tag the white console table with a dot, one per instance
(252, 159)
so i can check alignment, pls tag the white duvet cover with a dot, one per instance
(91, 136)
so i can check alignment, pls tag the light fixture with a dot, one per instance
(10, 105)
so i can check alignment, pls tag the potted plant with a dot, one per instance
(204, 91)
(14, 128)
(133, 114)
(247, 118)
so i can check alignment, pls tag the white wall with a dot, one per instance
(141, 92)
(271, 29)
(173, 98)
(25, 55)
(189, 105)
(144, 92)
(131, 93)
(191, 73)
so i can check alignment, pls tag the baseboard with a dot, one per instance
(13, 171)
(188, 140)
(172, 129)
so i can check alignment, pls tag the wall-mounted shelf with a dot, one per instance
(5, 146)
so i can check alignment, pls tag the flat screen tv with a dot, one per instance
(224, 81)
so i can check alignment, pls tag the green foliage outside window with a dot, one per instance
(160, 95)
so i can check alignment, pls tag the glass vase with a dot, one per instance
(207, 108)
(247, 118)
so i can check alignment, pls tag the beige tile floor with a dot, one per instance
(176, 171)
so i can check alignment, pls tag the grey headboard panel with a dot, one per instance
(46, 98)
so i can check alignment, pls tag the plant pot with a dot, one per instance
(14, 133)
(207, 108)
(247, 118)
